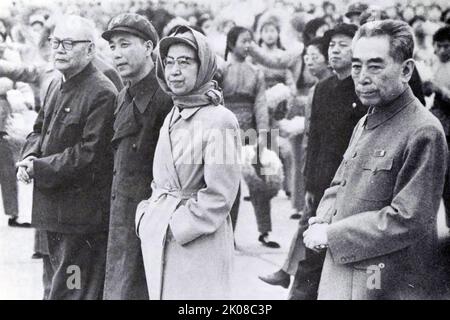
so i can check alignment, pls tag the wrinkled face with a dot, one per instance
(242, 44)
(442, 50)
(71, 61)
(377, 77)
(314, 61)
(181, 69)
(129, 53)
(269, 34)
(340, 52)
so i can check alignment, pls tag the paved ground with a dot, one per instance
(20, 276)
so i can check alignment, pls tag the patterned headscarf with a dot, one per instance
(206, 90)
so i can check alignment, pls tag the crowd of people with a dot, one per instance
(342, 106)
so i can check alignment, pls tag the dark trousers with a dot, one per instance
(307, 278)
(78, 265)
(261, 204)
(305, 264)
(8, 180)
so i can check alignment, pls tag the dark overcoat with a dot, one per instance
(71, 139)
(139, 115)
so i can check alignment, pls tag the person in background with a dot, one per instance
(269, 29)
(317, 66)
(244, 94)
(139, 114)
(440, 86)
(354, 12)
(8, 182)
(314, 28)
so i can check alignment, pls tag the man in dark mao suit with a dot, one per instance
(69, 157)
(140, 111)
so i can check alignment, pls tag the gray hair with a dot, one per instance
(86, 26)
(400, 34)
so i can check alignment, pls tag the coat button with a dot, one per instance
(114, 172)
(48, 132)
(355, 154)
(335, 212)
(344, 259)
(354, 105)
(113, 196)
(134, 146)
(343, 183)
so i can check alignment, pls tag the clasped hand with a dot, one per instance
(315, 237)
(25, 169)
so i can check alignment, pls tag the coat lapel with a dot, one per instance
(170, 163)
(125, 123)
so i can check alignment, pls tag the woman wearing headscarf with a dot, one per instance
(185, 227)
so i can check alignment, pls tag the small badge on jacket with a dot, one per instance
(379, 153)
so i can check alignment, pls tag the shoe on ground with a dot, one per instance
(279, 278)
(12, 222)
(263, 238)
(37, 255)
(296, 216)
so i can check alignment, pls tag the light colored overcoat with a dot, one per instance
(185, 229)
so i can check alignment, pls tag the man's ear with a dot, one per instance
(407, 70)
(149, 47)
(91, 49)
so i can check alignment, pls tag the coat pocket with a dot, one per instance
(376, 183)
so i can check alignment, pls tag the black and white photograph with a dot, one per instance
(224, 150)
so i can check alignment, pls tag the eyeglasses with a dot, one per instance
(312, 57)
(66, 44)
(183, 62)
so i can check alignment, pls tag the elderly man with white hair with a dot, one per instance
(69, 157)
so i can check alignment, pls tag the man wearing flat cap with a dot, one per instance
(354, 12)
(140, 111)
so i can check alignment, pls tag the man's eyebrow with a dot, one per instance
(181, 57)
(375, 60)
(372, 60)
